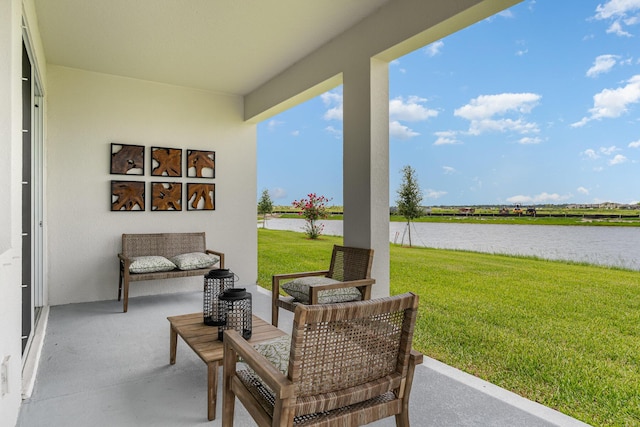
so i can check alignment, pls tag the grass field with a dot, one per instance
(562, 334)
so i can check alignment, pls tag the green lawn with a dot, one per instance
(562, 334)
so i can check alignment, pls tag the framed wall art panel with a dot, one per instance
(201, 164)
(166, 196)
(127, 196)
(201, 197)
(127, 159)
(166, 161)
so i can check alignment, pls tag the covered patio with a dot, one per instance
(101, 368)
(78, 76)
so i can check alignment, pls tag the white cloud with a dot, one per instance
(583, 190)
(617, 160)
(410, 110)
(333, 100)
(486, 106)
(273, 124)
(478, 127)
(295, 133)
(334, 113)
(612, 103)
(448, 170)
(634, 144)
(447, 138)
(609, 150)
(433, 194)
(522, 52)
(590, 153)
(602, 64)
(616, 28)
(397, 130)
(434, 48)
(616, 8)
(528, 140)
(482, 112)
(333, 131)
(396, 63)
(619, 12)
(278, 193)
(543, 197)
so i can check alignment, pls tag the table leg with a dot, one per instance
(173, 344)
(212, 389)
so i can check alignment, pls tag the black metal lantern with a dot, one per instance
(236, 312)
(215, 283)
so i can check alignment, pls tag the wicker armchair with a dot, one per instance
(349, 364)
(350, 266)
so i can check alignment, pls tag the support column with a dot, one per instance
(366, 164)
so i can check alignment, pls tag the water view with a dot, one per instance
(608, 246)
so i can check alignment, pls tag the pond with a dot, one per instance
(602, 245)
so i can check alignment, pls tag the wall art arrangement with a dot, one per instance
(201, 197)
(166, 161)
(127, 159)
(166, 196)
(127, 196)
(201, 164)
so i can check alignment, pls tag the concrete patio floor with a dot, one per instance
(102, 367)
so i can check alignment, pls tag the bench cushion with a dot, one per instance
(194, 260)
(150, 264)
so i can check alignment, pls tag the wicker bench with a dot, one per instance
(167, 245)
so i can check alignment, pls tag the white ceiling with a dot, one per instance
(230, 46)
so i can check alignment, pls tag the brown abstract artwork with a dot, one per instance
(201, 197)
(166, 161)
(127, 196)
(201, 164)
(127, 159)
(166, 196)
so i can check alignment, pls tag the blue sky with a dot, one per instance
(538, 104)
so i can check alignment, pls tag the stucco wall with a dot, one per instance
(88, 111)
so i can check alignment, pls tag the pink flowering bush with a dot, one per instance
(313, 209)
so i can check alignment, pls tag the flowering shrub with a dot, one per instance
(313, 209)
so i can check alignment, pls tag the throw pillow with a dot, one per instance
(194, 260)
(276, 351)
(150, 264)
(299, 290)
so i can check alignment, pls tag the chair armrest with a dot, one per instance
(219, 254)
(415, 357)
(364, 285)
(235, 345)
(125, 262)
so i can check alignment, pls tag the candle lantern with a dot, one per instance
(215, 283)
(236, 312)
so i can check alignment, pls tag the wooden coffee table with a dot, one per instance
(203, 340)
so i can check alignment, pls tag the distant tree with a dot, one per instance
(265, 206)
(409, 197)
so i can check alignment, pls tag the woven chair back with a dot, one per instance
(162, 244)
(349, 263)
(350, 351)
